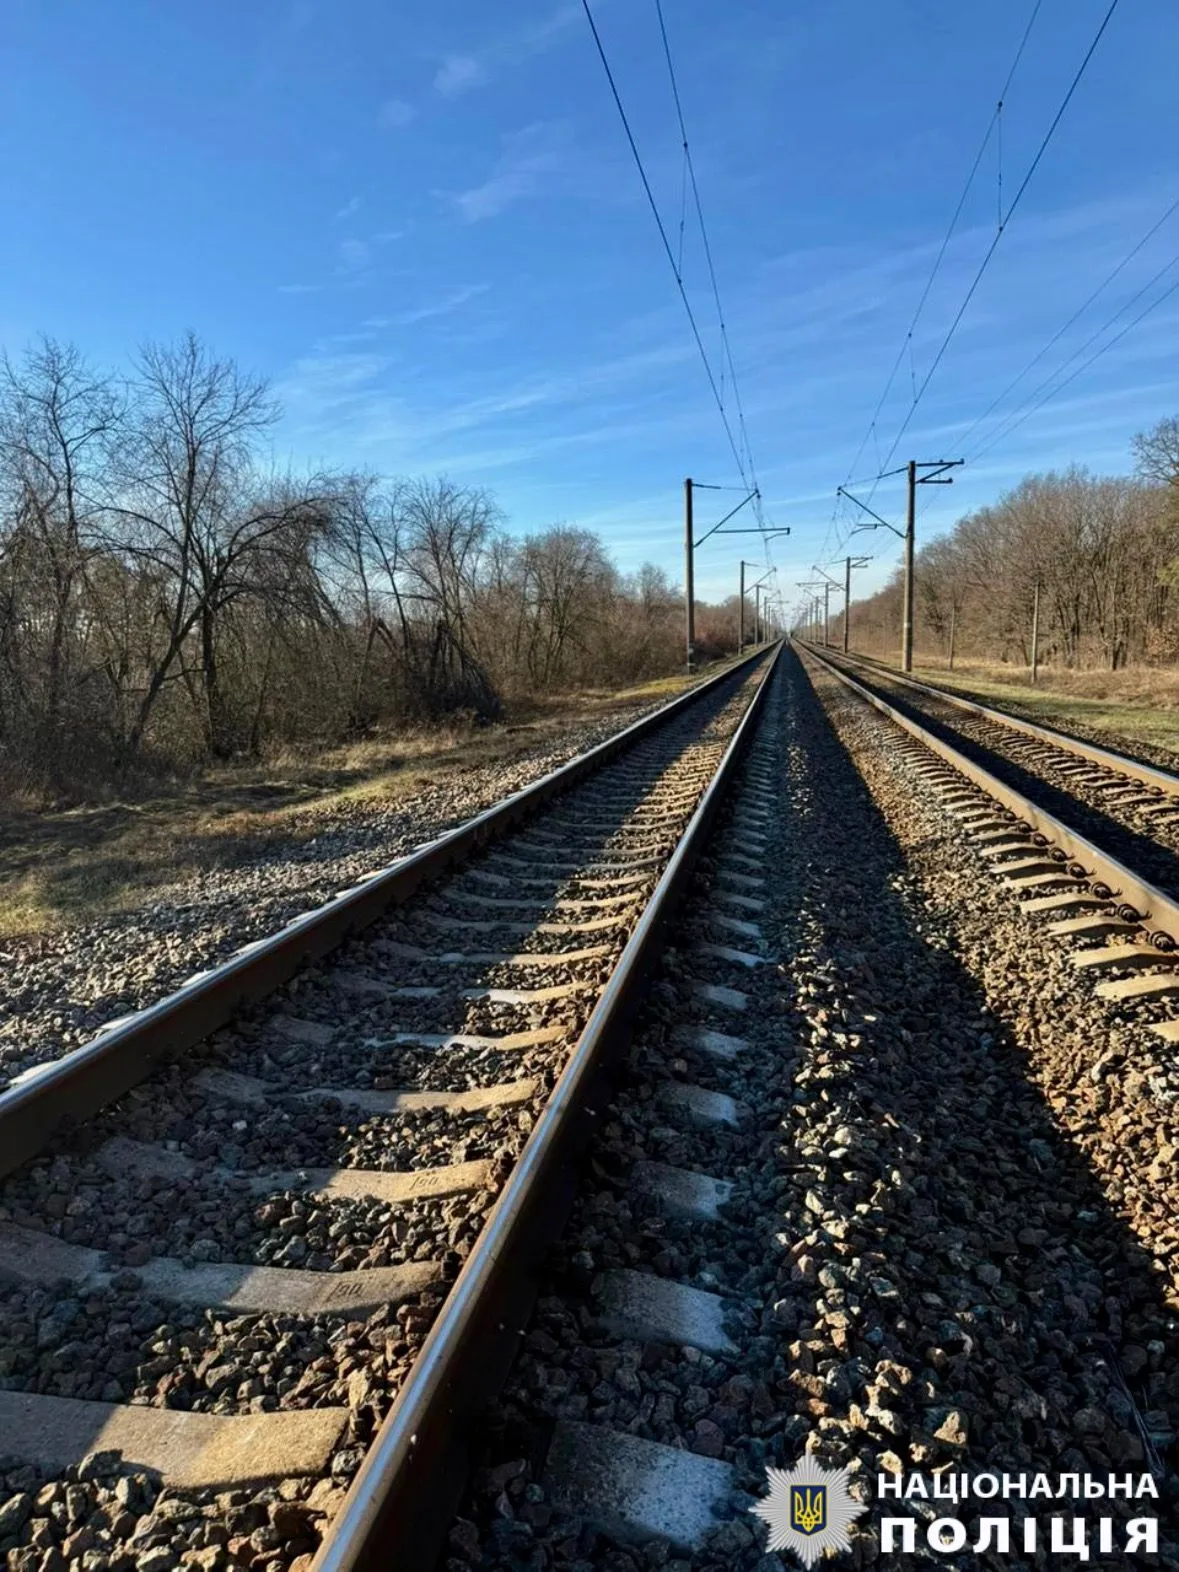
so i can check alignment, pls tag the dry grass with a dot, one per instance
(64, 866)
(1133, 711)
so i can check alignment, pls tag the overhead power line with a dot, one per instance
(1076, 316)
(1006, 219)
(712, 382)
(907, 342)
(690, 168)
(1029, 408)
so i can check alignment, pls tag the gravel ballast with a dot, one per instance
(1147, 843)
(115, 1343)
(953, 1237)
(57, 990)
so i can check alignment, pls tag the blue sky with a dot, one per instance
(422, 223)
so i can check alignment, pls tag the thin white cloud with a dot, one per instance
(458, 74)
(395, 113)
(350, 207)
(299, 289)
(443, 306)
(353, 256)
(528, 155)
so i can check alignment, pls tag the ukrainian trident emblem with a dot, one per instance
(809, 1510)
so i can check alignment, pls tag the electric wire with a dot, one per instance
(726, 348)
(720, 404)
(991, 249)
(907, 341)
(1060, 332)
(1031, 408)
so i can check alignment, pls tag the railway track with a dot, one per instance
(1122, 928)
(877, 1237)
(224, 1265)
(1131, 807)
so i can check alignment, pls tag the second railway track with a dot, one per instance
(1130, 806)
(219, 1282)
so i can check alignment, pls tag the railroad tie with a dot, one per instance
(717, 993)
(41, 1260)
(190, 1451)
(681, 1192)
(725, 952)
(699, 1105)
(481, 1099)
(1159, 986)
(120, 1156)
(1099, 927)
(635, 1490)
(721, 1045)
(1077, 900)
(647, 1308)
(1112, 955)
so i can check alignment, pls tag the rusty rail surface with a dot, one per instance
(1157, 911)
(44, 1100)
(1149, 774)
(401, 1502)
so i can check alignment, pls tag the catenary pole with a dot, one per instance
(1035, 632)
(846, 601)
(689, 580)
(910, 530)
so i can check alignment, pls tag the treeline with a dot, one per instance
(167, 597)
(1103, 550)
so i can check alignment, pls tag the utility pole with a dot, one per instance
(953, 629)
(910, 532)
(689, 579)
(757, 601)
(690, 545)
(935, 477)
(848, 564)
(1035, 632)
(741, 606)
(825, 586)
(828, 585)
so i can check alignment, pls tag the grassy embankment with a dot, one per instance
(66, 865)
(1133, 711)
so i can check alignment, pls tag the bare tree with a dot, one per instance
(190, 509)
(56, 414)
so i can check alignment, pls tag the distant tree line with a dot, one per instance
(167, 598)
(1104, 551)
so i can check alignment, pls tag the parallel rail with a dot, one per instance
(398, 1506)
(1142, 902)
(1159, 780)
(401, 1501)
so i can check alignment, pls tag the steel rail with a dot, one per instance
(47, 1099)
(1149, 775)
(401, 1502)
(1157, 911)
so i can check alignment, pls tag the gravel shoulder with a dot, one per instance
(58, 988)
